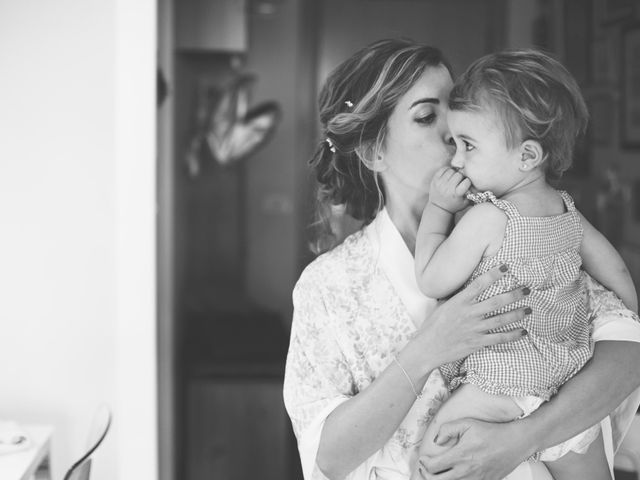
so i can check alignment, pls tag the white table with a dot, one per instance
(23, 464)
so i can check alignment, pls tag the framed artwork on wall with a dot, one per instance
(630, 87)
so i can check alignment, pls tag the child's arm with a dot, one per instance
(444, 264)
(601, 260)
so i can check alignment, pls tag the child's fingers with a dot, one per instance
(463, 187)
(451, 180)
(448, 182)
(454, 174)
(442, 173)
(456, 177)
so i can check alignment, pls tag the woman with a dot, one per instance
(362, 378)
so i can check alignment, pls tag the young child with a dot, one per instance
(515, 117)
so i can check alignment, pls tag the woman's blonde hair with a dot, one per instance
(355, 104)
(535, 98)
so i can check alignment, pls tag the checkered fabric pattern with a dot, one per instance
(543, 254)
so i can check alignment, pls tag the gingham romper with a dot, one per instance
(543, 253)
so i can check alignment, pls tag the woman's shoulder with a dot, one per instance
(339, 265)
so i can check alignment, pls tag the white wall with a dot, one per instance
(77, 251)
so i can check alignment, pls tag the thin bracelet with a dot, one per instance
(413, 387)
(535, 457)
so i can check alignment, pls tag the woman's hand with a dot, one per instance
(364, 423)
(459, 326)
(479, 451)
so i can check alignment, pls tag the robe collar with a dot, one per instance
(397, 262)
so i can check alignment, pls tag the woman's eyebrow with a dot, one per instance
(435, 101)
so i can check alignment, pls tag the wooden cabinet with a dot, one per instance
(238, 429)
(216, 25)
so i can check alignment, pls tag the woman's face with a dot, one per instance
(417, 140)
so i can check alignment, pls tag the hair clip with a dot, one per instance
(349, 103)
(332, 147)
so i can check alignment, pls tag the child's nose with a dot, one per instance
(456, 161)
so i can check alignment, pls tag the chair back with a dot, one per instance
(627, 459)
(81, 469)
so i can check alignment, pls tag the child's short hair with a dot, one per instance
(535, 98)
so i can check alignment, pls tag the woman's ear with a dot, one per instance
(531, 155)
(372, 157)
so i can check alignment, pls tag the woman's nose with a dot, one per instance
(451, 144)
(448, 138)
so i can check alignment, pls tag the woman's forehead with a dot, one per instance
(434, 83)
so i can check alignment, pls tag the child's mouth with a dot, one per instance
(472, 191)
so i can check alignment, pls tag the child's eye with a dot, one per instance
(468, 147)
(427, 119)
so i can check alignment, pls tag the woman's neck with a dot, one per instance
(405, 213)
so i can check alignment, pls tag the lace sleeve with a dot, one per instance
(317, 378)
(611, 320)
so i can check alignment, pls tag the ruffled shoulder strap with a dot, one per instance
(568, 201)
(488, 196)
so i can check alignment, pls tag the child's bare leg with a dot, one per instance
(591, 465)
(468, 401)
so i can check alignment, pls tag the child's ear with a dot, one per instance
(372, 157)
(531, 155)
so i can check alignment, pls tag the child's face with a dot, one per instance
(482, 154)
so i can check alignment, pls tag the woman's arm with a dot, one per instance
(360, 426)
(489, 451)
(604, 263)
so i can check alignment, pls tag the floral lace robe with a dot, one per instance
(355, 307)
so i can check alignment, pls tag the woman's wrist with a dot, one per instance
(531, 436)
(416, 363)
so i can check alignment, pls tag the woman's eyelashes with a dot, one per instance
(426, 119)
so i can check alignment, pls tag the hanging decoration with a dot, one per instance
(227, 127)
